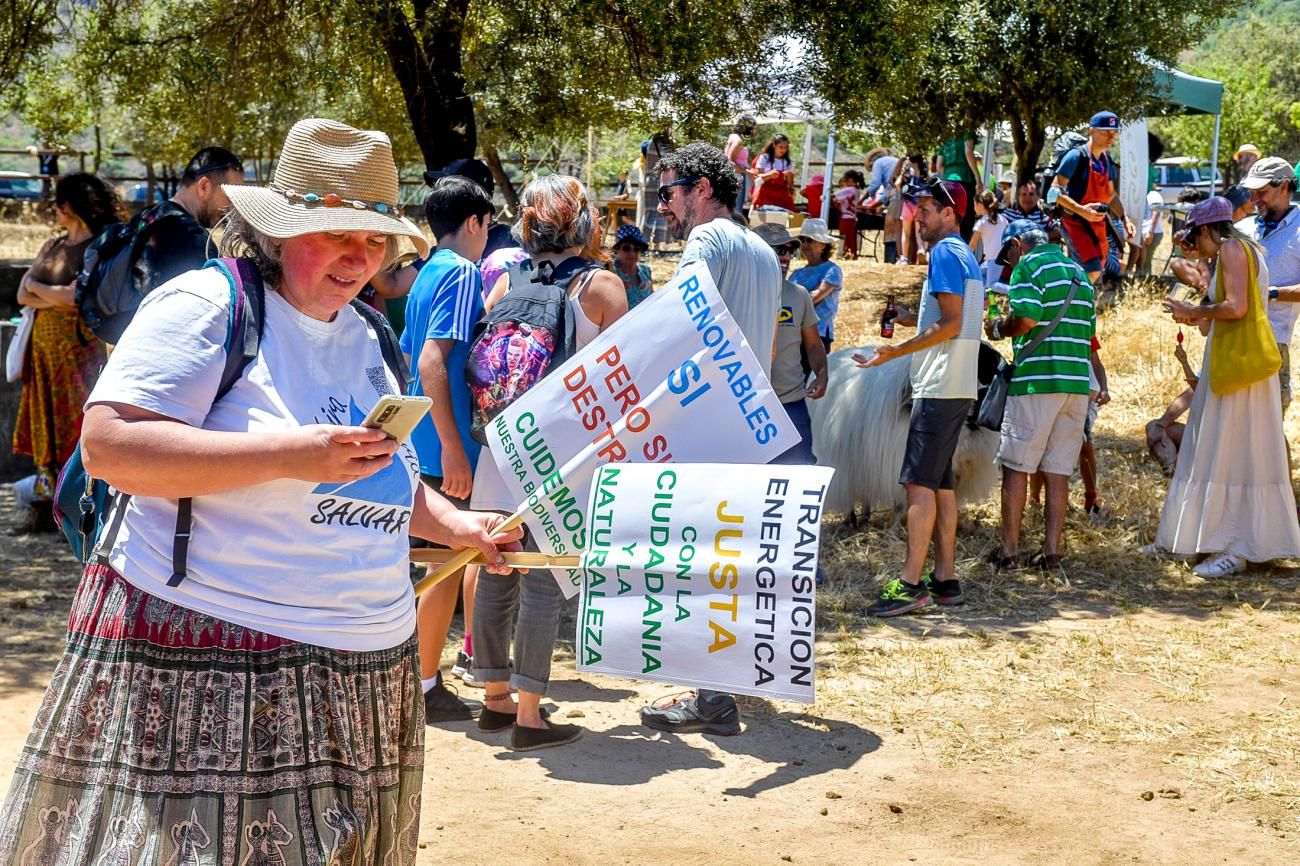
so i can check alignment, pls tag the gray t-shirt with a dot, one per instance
(797, 312)
(748, 277)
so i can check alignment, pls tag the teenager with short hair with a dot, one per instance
(445, 303)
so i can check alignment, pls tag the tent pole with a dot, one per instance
(1214, 153)
(827, 187)
(807, 152)
(988, 157)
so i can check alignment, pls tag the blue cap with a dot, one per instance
(631, 234)
(1104, 120)
(1026, 230)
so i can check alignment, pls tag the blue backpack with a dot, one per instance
(82, 503)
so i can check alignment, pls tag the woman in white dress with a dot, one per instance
(1231, 495)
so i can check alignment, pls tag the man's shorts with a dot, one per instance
(1087, 241)
(435, 481)
(1042, 431)
(1284, 375)
(931, 442)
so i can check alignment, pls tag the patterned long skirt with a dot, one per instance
(63, 361)
(170, 737)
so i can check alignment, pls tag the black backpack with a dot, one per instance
(528, 334)
(1064, 144)
(82, 503)
(109, 289)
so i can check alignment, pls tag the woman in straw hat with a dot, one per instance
(261, 701)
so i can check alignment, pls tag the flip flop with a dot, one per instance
(1045, 561)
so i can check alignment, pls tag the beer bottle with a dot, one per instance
(887, 319)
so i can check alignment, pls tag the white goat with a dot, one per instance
(860, 428)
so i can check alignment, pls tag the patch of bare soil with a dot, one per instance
(1117, 712)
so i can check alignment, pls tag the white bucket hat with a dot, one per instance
(329, 177)
(816, 229)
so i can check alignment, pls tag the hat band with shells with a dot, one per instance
(330, 199)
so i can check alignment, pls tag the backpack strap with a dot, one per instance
(243, 339)
(389, 346)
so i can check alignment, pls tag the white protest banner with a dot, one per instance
(704, 575)
(672, 381)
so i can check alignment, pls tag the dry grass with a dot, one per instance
(21, 239)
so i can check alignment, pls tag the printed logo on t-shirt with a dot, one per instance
(786, 316)
(381, 501)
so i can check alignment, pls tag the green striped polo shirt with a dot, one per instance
(1039, 286)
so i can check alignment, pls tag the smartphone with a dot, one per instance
(397, 415)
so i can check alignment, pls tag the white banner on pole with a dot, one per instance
(704, 575)
(1133, 172)
(672, 381)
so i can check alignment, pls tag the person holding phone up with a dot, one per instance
(269, 690)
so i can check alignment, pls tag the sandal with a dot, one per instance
(1045, 561)
(1001, 561)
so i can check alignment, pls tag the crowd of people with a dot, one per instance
(254, 669)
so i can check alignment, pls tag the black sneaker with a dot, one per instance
(687, 714)
(897, 597)
(944, 591)
(442, 704)
(463, 670)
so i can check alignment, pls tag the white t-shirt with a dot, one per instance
(1152, 222)
(326, 564)
(990, 232)
(1282, 252)
(748, 278)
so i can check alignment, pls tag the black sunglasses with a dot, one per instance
(622, 248)
(787, 249)
(937, 188)
(665, 196)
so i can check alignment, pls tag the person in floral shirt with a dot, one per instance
(629, 244)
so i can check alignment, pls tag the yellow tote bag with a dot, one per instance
(1242, 352)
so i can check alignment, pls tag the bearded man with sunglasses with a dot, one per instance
(697, 196)
(1276, 226)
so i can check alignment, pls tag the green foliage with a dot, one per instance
(165, 77)
(929, 70)
(27, 31)
(1257, 62)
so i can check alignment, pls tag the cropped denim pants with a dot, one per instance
(539, 600)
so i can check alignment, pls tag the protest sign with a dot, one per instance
(672, 381)
(704, 575)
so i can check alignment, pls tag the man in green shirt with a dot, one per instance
(1047, 402)
(958, 161)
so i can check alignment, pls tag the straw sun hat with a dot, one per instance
(329, 178)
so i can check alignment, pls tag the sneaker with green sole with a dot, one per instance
(898, 597)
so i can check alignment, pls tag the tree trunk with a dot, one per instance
(428, 67)
(493, 159)
(1027, 139)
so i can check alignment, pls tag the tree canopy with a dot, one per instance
(1260, 70)
(165, 77)
(927, 70)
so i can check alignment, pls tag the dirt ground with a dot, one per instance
(1119, 711)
